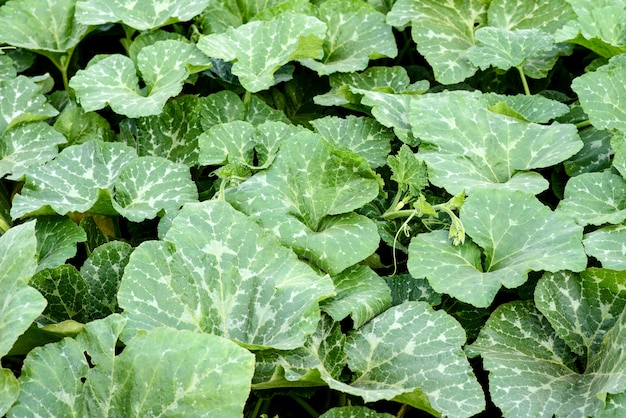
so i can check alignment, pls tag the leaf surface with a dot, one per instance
(21, 100)
(517, 234)
(140, 14)
(56, 240)
(66, 292)
(220, 273)
(262, 47)
(607, 245)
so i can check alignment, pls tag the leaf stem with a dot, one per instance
(305, 405)
(524, 82)
(583, 124)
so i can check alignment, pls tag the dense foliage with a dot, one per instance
(338, 207)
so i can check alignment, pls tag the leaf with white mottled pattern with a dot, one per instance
(138, 14)
(546, 15)
(306, 198)
(470, 147)
(56, 240)
(261, 48)
(618, 146)
(517, 234)
(112, 80)
(10, 389)
(188, 372)
(595, 199)
(443, 31)
(595, 154)
(361, 295)
(218, 272)
(354, 412)
(21, 100)
(608, 245)
(532, 372)
(356, 33)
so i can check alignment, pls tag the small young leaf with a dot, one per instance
(79, 126)
(408, 171)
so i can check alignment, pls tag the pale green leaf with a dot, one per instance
(361, 295)
(7, 72)
(546, 15)
(41, 25)
(396, 353)
(582, 307)
(356, 34)
(504, 49)
(113, 81)
(608, 245)
(66, 292)
(306, 198)
(10, 389)
(595, 199)
(148, 185)
(102, 272)
(533, 373)
(22, 101)
(363, 136)
(56, 240)
(139, 14)
(408, 171)
(260, 48)
(470, 147)
(443, 32)
(353, 412)
(517, 234)
(618, 146)
(27, 145)
(188, 372)
(218, 272)
(71, 182)
(534, 108)
(603, 96)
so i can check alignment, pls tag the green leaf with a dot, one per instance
(41, 25)
(141, 14)
(218, 272)
(102, 272)
(27, 145)
(56, 240)
(10, 389)
(394, 354)
(363, 136)
(406, 288)
(504, 49)
(547, 15)
(79, 126)
(618, 145)
(595, 199)
(354, 412)
(361, 294)
(112, 80)
(188, 372)
(536, 109)
(533, 372)
(21, 101)
(356, 33)
(583, 307)
(257, 53)
(408, 171)
(443, 31)
(148, 185)
(471, 147)
(306, 198)
(517, 234)
(66, 292)
(602, 96)
(607, 245)
(595, 154)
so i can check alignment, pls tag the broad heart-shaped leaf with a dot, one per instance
(306, 198)
(141, 14)
(85, 177)
(602, 96)
(26, 145)
(161, 372)
(595, 199)
(471, 147)
(516, 233)
(112, 80)
(356, 33)
(393, 357)
(262, 47)
(41, 25)
(504, 49)
(102, 272)
(218, 272)
(547, 15)
(532, 372)
(361, 294)
(21, 303)
(582, 307)
(66, 292)
(21, 100)
(443, 31)
(363, 136)
(607, 245)
(354, 412)
(56, 240)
